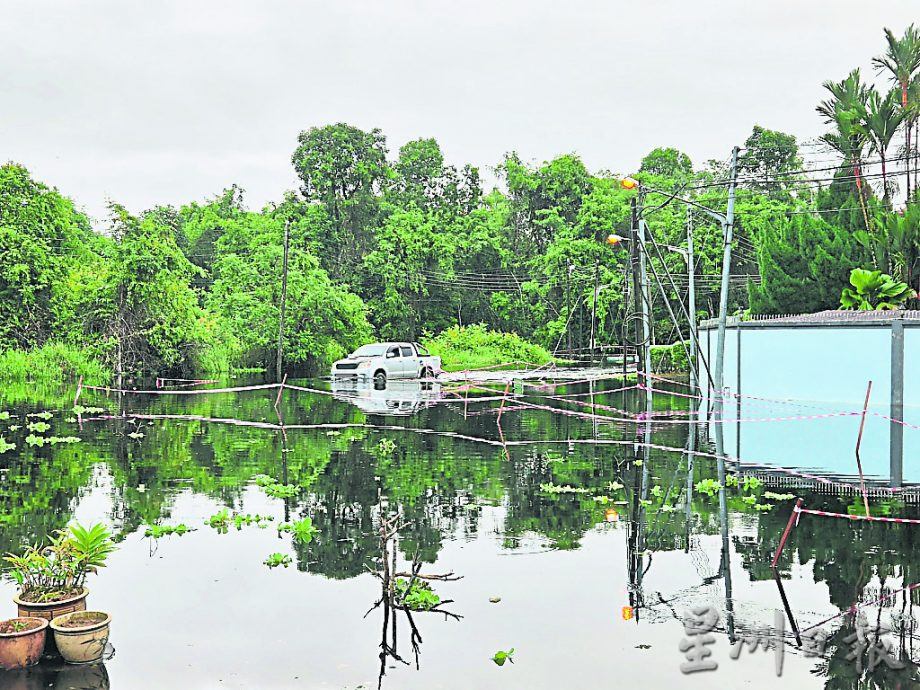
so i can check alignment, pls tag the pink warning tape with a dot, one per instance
(200, 391)
(855, 607)
(732, 397)
(871, 518)
(641, 419)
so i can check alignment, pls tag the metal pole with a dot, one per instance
(636, 282)
(727, 228)
(897, 403)
(691, 278)
(568, 307)
(594, 309)
(284, 273)
(646, 300)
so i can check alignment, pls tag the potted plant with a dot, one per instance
(52, 578)
(81, 636)
(22, 641)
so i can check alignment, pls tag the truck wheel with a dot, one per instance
(380, 378)
(427, 373)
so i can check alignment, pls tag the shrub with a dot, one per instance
(52, 363)
(475, 346)
(670, 357)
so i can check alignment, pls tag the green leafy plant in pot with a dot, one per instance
(52, 577)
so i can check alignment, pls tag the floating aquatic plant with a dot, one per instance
(778, 497)
(275, 489)
(501, 657)
(276, 559)
(38, 427)
(710, 487)
(418, 597)
(157, 531)
(79, 409)
(303, 530)
(752, 483)
(551, 488)
(63, 439)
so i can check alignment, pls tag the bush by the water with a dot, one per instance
(670, 357)
(52, 363)
(475, 346)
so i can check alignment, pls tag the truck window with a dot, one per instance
(393, 352)
(422, 352)
(406, 351)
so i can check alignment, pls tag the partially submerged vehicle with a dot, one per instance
(384, 361)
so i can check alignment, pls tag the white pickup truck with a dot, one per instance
(382, 361)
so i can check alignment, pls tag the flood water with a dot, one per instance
(577, 545)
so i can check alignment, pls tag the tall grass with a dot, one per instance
(52, 363)
(475, 347)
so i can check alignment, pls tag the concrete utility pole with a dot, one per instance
(646, 312)
(594, 309)
(897, 403)
(691, 286)
(638, 312)
(727, 228)
(284, 272)
(568, 307)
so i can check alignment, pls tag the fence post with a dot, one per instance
(897, 403)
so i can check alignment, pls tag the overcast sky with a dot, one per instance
(164, 102)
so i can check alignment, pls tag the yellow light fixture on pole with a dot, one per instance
(613, 239)
(629, 183)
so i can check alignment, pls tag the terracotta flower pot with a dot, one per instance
(50, 610)
(81, 635)
(22, 648)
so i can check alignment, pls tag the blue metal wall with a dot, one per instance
(820, 370)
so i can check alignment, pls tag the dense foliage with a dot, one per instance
(397, 247)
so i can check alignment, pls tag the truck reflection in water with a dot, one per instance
(399, 398)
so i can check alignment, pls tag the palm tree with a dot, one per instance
(913, 118)
(843, 109)
(879, 119)
(902, 60)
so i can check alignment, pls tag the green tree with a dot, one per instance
(41, 237)
(803, 262)
(902, 60)
(843, 110)
(323, 320)
(343, 168)
(879, 120)
(136, 300)
(770, 158)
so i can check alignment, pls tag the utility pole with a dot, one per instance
(646, 313)
(284, 272)
(568, 307)
(594, 308)
(727, 227)
(638, 312)
(691, 285)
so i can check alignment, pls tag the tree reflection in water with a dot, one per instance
(393, 600)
